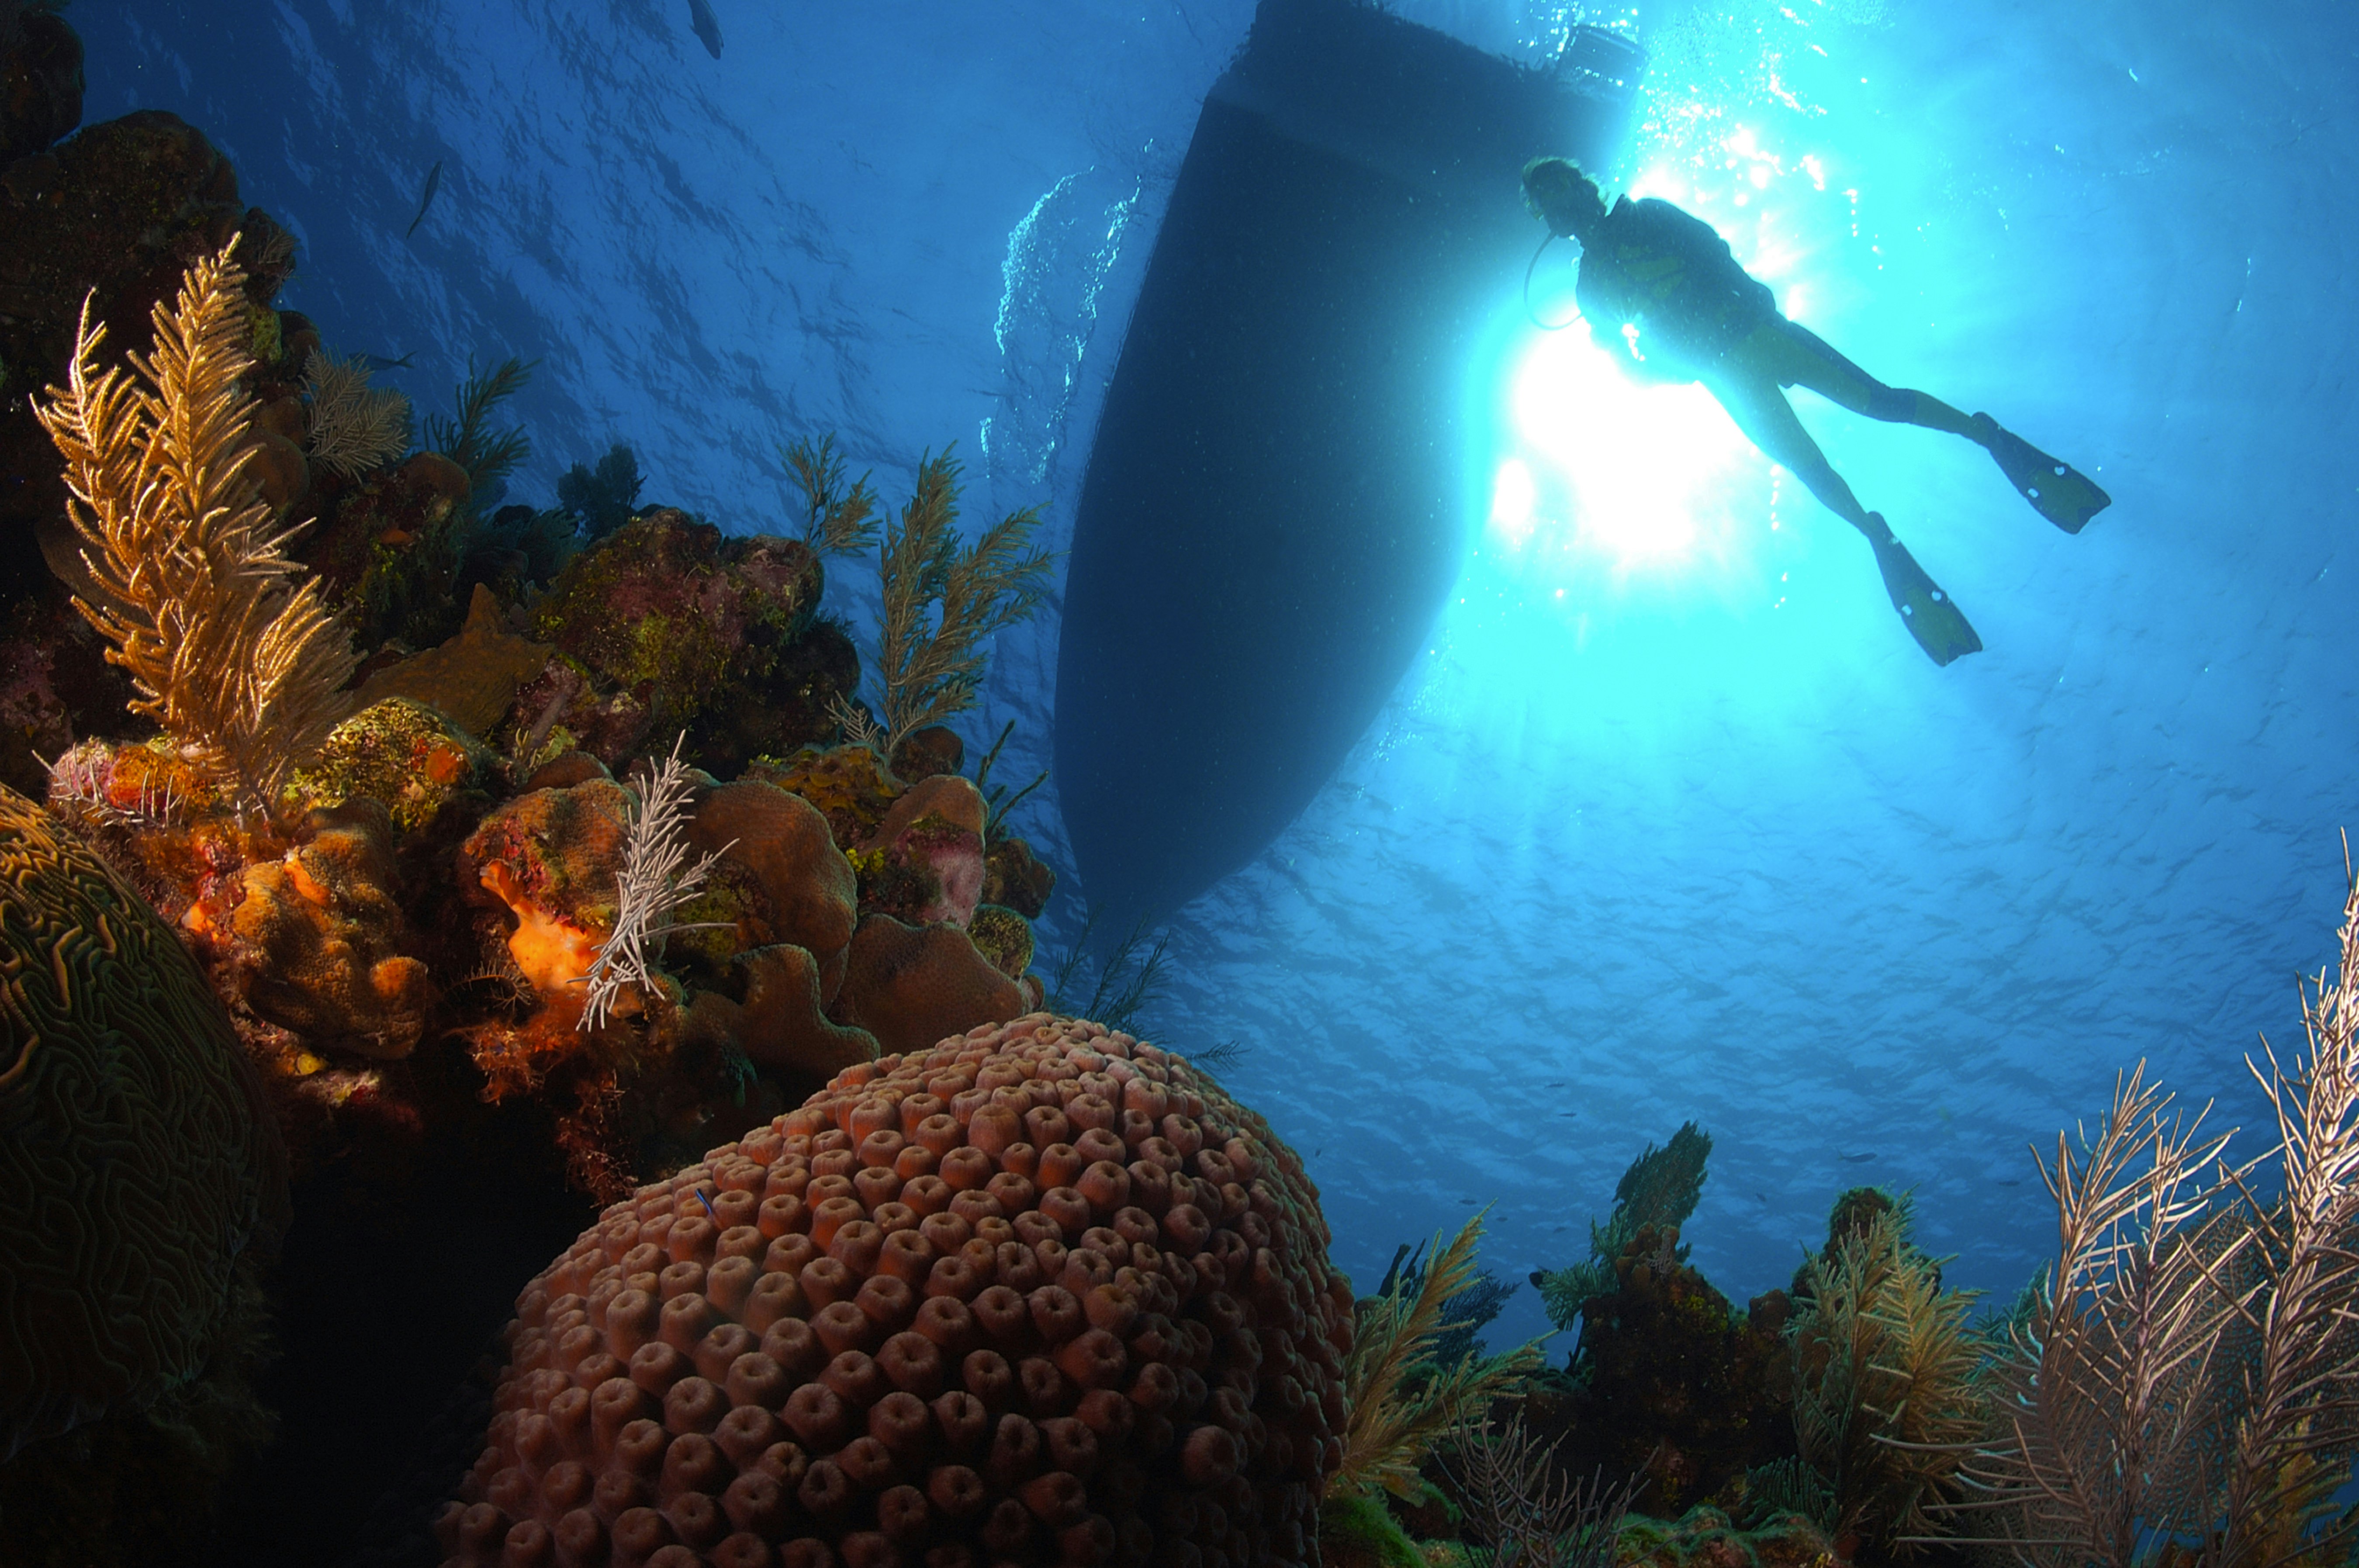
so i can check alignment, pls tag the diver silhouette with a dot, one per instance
(1663, 295)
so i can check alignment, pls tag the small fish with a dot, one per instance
(376, 362)
(426, 196)
(708, 1205)
(707, 26)
(1859, 1159)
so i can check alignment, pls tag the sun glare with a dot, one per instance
(1599, 465)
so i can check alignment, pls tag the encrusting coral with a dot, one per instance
(668, 625)
(1042, 1294)
(229, 656)
(321, 939)
(404, 755)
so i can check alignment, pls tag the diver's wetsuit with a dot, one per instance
(1663, 295)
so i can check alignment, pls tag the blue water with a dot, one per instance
(1672, 820)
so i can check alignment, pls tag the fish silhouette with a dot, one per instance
(707, 26)
(426, 196)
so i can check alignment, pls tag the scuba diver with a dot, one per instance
(1663, 295)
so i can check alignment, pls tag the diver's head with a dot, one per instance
(1560, 195)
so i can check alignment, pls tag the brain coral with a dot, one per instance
(134, 1159)
(1042, 1294)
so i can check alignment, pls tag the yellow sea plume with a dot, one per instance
(1401, 1403)
(232, 656)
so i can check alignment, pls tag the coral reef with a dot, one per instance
(138, 1161)
(473, 677)
(673, 627)
(1707, 1538)
(321, 939)
(158, 819)
(1670, 1381)
(1013, 878)
(1003, 936)
(406, 757)
(849, 785)
(54, 687)
(383, 549)
(1660, 1190)
(1360, 1532)
(934, 1311)
(780, 877)
(113, 216)
(41, 77)
(552, 857)
(922, 754)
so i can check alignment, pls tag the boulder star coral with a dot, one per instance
(1040, 1294)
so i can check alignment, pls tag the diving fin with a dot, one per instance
(1930, 615)
(2059, 492)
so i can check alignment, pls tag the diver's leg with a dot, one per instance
(1761, 411)
(2060, 493)
(1768, 420)
(1811, 361)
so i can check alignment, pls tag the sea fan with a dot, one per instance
(942, 603)
(1526, 1511)
(1887, 1402)
(352, 426)
(657, 878)
(231, 653)
(2189, 1389)
(836, 518)
(604, 498)
(1402, 1403)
